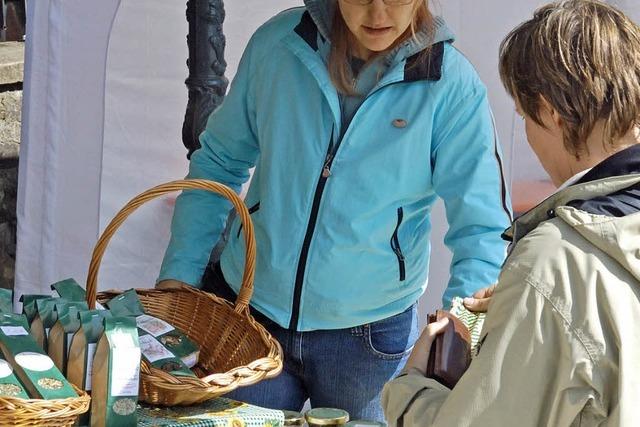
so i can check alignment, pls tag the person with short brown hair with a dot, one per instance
(560, 344)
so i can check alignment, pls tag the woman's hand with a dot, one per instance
(170, 284)
(479, 302)
(420, 355)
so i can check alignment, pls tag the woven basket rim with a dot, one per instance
(43, 409)
(221, 379)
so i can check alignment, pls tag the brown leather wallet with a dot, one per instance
(450, 353)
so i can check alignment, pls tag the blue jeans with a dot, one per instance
(341, 368)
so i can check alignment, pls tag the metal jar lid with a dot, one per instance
(293, 418)
(327, 416)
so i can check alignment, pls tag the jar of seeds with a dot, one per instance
(328, 417)
(293, 418)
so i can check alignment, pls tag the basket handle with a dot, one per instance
(246, 289)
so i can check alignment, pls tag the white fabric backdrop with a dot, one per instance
(104, 100)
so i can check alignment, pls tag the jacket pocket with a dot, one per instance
(252, 209)
(395, 246)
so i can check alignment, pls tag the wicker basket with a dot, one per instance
(39, 412)
(235, 350)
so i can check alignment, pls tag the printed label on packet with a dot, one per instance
(91, 351)
(152, 349)
(34, 361)
(69, 338)
(153, 325)
(125, 371)
(5, 369)
(11, 331)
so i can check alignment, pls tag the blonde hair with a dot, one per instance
(583, 57)
(342, 39)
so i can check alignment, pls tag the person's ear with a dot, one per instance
(551, 113)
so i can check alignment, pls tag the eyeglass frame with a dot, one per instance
(387, 2)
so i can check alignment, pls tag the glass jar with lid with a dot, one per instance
(293, 418)
(326, 417)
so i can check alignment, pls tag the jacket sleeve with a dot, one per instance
(468, 176)
(229, 148)
(530, 371)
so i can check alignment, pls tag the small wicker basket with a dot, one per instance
(39, 412)
(235, 350)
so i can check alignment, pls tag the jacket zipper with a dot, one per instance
(313, 218)
(311, 225)
(252, 209)
(395, 245)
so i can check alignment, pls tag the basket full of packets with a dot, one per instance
(216, 346)
(33, 391)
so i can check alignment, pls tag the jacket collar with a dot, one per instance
(615, 173)
(315, 25)
(584, 190)
(624, 162)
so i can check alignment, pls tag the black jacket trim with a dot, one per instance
(623, 202)
(625, 162)
(308, 30)
(429, 68)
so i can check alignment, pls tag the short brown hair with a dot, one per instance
(339, 64)
(583, 57)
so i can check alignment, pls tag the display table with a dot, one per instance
(220, 412)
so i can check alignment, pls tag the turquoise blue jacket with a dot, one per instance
(342, 223)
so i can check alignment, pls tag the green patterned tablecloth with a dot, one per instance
(220, 412)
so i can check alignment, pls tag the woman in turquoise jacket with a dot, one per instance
(357, 115)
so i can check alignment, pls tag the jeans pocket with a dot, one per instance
(393, 337)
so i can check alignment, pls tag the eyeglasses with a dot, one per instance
(387, 2)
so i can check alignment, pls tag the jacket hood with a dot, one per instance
(619, 237)
(322, 11)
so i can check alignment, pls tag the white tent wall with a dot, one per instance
(62, 136)
(104, 101)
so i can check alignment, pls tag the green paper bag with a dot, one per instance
(116, 374)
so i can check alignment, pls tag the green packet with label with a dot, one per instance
(46, 316)
(116, 374)
(29, 305)
(62, 332)
(6, 300)
(10, 385)
(83, 347)
(162, 345)
(68, 289)
(71, 290)
(34, 369)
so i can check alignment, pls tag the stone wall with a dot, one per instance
(11, 76)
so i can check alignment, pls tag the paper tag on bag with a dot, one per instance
(125, 371)
(153, 325)
(12, 331)
(91, 351)
(153, 350)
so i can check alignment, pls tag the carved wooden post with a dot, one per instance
(206, 82)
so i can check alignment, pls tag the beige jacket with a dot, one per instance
(561, 342)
